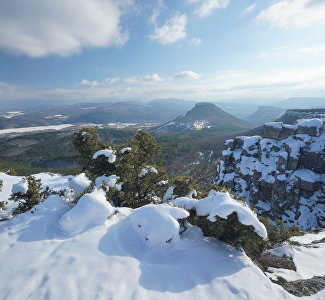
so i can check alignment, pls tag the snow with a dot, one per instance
(126, 149)
(91, 210)
(308, 259)
(162, 182)
(109, 153)
(34, 128)
(157, 224)
(221, 204)
(277, 125)
(87, 252)
(20, 187)
(309, 237)
(109, 180)
(53, 181)
(11, 114)
(307, 175)
(310, 122)
(169, 194)
(146, 170)
(79, 183)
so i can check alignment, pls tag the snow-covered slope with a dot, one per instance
(111, 261)
(282, 174)
(93, 251)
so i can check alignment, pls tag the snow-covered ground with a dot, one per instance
(34, 128)
(309, 259)
(81, 252)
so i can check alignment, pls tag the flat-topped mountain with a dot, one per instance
(204, 115)
(264, 114)
(292, 115)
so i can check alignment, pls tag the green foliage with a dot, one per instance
(230, 231)
(136, 190)
(278, 232)
(184, 185)
(32, 197)
(86, 142)
(145, 146)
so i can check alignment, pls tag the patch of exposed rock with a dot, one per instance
(302, 287)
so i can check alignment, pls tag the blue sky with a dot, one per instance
(189, 49)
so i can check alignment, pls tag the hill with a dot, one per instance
(203, 116)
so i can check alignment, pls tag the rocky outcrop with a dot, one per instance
(282, 173)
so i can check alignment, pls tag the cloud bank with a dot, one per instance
(38, 28)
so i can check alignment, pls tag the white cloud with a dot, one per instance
(262, 85)
(207, 7)
(143, 79)
(112, 80)
(195, 42)
(187, 75)
(88, 83)
(315, 52)
(248, 9)
(297, 14)
(172, 31)
(43, 27)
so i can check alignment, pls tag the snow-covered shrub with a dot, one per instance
(91, 210)
(28, 193)
(158, 224)
(79, 185)
(229, 220)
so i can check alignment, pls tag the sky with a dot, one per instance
(91, 50)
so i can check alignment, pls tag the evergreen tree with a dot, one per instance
(86, 141)
(184, 185)
(32, 197)
(136, 189)
(2, 203)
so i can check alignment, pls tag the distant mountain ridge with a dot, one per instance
(264, 114)
(301, 102)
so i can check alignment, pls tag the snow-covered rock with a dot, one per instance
(109, 153)
(285, 170)
(91, 210)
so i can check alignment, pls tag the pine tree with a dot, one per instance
(86, 141)
(32, 197)
(2, 203)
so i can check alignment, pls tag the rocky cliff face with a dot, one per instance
(282, 174)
